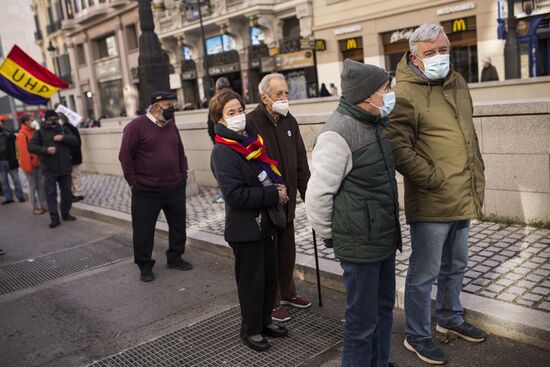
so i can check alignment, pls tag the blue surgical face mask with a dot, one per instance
(436, 67)
(389, 103)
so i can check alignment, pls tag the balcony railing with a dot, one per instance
(190, 9)
(67, 78)
(54, 26)
(290, 44)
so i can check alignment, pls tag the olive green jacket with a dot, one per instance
(435, 146)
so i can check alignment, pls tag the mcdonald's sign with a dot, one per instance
(320, 45)
(459, 25)
(351, 44)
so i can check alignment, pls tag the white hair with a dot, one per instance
(425, 33)
(264, 87)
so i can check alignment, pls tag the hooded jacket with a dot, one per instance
(435, 146)
(27, 161)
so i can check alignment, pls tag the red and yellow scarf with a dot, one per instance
(255, 150)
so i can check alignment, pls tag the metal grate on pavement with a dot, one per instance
(215, 341)
(33, 272)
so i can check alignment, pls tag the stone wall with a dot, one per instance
(514, 140)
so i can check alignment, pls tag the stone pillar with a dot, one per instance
(130, 104)
(93, 80)
(80, 108)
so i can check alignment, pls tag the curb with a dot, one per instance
(496, 317)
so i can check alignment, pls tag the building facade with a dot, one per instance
(92, 45)
(377, 32)
(244, 40)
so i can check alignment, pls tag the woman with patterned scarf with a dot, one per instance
(251, 184)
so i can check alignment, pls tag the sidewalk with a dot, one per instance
(506, 287)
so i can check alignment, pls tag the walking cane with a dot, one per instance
(317, 268)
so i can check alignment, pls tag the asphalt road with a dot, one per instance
(87, 316)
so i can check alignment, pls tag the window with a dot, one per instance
(80, 55)
(64, 68)
(131, 37)
(221, 43)
(106, 47)
(187, 54)
(256, 36)
(69, 7)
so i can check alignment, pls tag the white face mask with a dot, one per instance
(389, 103)
(436, 67)
(236, 123)
(35, 125)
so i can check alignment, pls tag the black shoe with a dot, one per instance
(465, 331)
(55, 223)
(275, 331)
(179, 265)
(2, 252)
(393, 364)
(77, 198)
(22, 200)
(260, 346)
(147, 274)
(7, 202)
(426, 350)
(68, 218)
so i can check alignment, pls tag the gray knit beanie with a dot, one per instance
(359, 81)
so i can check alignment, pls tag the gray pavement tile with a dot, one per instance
(505, 282)
(544, 306)
(525, 302)
(541, 290)
(516, 290)
(525, 284)
(495, 288)
(512, 276)
(508, 297)
(531, 297)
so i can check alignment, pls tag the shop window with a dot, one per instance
(131, 37)
(106, 47)
(111, 103)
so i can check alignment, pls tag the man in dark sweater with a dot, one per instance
(52, 143)
(154, 165)
(283, 140)
(9, 166)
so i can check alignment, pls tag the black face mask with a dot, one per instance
(50, 124)
(168, 113)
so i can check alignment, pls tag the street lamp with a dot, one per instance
(511, 49)
(153, 70)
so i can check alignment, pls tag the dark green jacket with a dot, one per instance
(365, 217)
(435, 147)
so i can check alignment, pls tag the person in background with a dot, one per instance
(333, 90)
(238, 161)
(221, 83)
(324, 91)
(283, 140)
(76, 160)
(436, 149)
(9, 166)
(489, 72)
(155, 166)
(352, 204)
(52, 143)
(30, 164)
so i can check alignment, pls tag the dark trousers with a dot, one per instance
(256, 275)
(146, 206)
(286, 255)
(50, 185)
(370, 296)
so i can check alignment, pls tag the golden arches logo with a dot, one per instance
(320, 45)
(351, 44)
(459, 25)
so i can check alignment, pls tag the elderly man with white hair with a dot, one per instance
(436, 149)
(283, 140)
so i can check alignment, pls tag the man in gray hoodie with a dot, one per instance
(352, 204)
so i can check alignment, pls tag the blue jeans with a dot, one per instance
(439, 252)
(370, 290)
(6, 189)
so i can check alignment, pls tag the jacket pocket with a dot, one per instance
(372, 222)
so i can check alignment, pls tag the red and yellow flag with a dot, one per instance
(23, 78)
